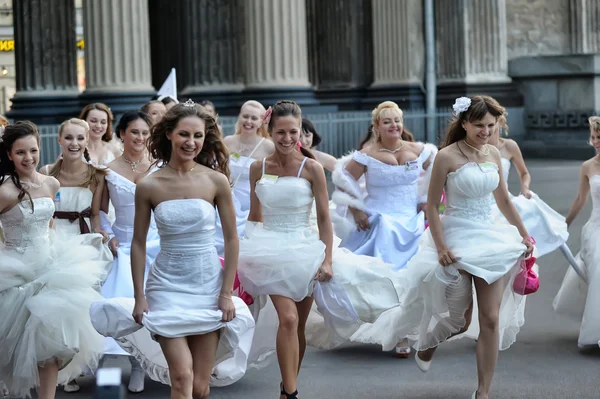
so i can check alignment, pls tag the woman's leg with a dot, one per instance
(457, 296)
(181, 367)
(48, 378)
(288, 350)
(204, 353)
(489, 299)
(303, 312)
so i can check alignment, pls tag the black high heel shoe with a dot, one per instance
(293, 395)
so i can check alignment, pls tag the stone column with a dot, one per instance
(213, 48)
(471, 41)
(585, 26)
(398, 52)
(45, 61)
(340, 43)
(117, 54)
(472, 51)
(276, 53)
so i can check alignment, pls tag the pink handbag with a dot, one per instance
(527, 281)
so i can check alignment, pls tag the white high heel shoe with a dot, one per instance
(422, 364)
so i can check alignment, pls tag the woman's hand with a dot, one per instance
(325, 272)
(113, 244)
(227, 307)
(141, 307)
(525, 192)
(446, 257)
(529, 243)
(104, 234)
(361, 219)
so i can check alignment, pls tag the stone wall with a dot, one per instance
(537, 27)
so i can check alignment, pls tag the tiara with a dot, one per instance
(189, 103)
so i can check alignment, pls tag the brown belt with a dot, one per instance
(72, 216)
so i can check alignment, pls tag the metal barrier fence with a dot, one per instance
(341, 131)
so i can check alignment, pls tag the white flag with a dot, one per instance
(169, 87)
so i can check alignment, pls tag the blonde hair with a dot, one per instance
(594, 123)
(390, 106)
(93, 172)
(503, 124)
(262, 130)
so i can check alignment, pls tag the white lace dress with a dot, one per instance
(46, 288)
(547, 226)
(182, 291)
(577, 298)
(391, 204)
(435, 299)
(119, 282)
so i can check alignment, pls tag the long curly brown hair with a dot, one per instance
(214, 153)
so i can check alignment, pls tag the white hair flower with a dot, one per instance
(461, 105)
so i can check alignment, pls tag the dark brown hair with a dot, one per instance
(12, 133)
(479, 108)
(214, 153)
(107, 137)
(93, 172)
(286, 108)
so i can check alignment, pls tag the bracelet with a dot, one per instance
(530, 240)
(225, 296)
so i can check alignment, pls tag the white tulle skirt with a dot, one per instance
(279, 263)
(581, 299)
(433, 305)
(46, 290)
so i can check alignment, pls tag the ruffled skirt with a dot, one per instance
(436, 298)
(46, 290)
(547, 226)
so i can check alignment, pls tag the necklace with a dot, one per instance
(393, 151)
(133, 164)
(486, 151)
(31, 184)
(192, 168)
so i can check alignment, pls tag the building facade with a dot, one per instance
(537, 57)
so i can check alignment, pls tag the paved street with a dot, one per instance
(544, 362)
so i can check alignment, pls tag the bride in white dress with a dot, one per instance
(121, 182)
(462, 247)
(80, 184)
(102, 147)
(282, 254)
(187, 307)
(387, 218)
(46, 284)
(577, 297)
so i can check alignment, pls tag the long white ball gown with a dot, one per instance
(282, 255)
(433, 305)
(182, 291)
(46, 288)
(119, 283)
(547, 226)
(575, 297)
